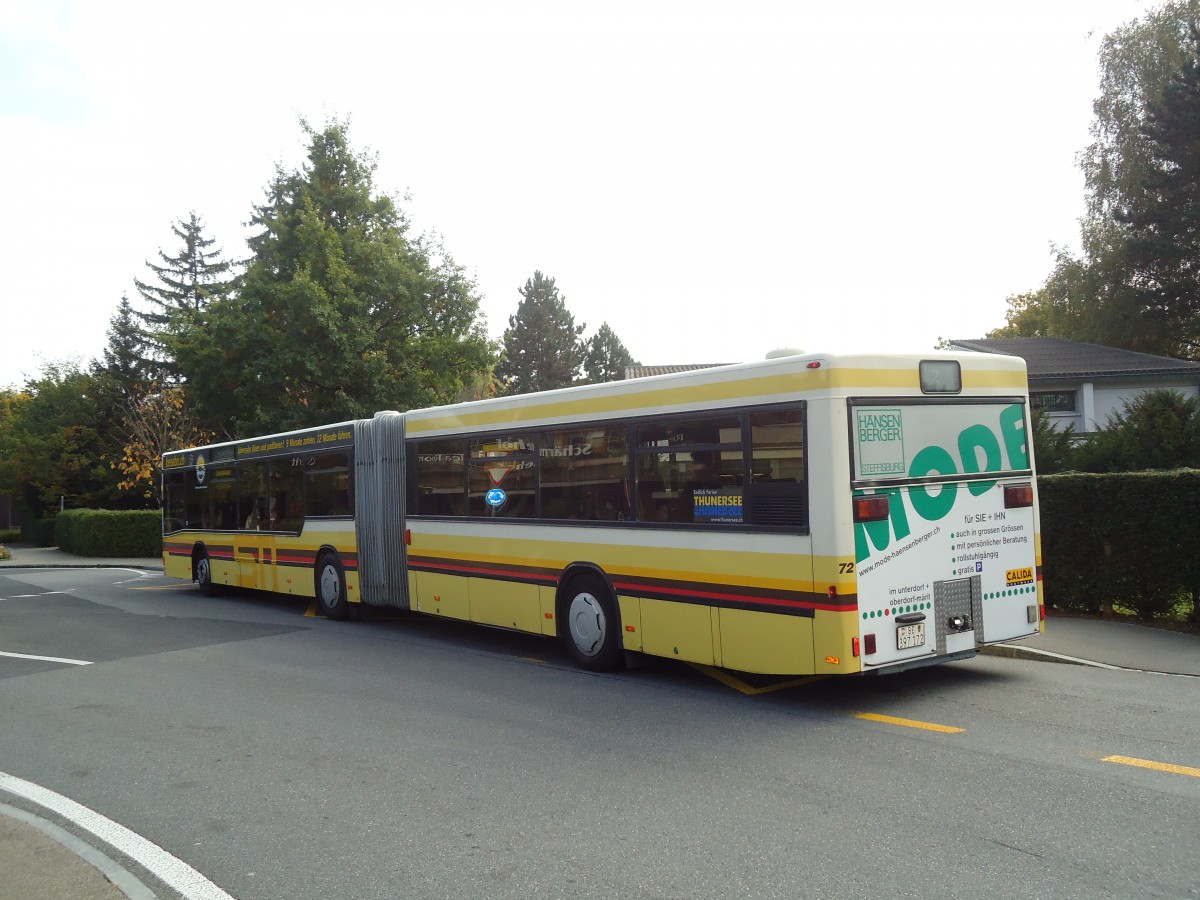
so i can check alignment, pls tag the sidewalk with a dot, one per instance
(25, 556)
(1115, 644)
(34, 866)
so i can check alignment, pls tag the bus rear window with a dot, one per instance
(941, 376)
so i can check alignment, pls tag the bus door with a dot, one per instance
(944, 526)
(252, 543)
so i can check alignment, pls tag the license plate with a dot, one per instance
(909, 636)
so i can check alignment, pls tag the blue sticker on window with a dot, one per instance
(495, 497)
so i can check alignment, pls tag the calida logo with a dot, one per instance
(980, 448)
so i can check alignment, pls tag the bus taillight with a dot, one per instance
(872, 508)
(1018, 495)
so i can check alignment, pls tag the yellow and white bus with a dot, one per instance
(807, 514)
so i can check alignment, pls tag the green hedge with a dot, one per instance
(39, 532)
(1130, 539)
(108, 533)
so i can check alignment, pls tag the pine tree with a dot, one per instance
(542, 349)
(186, 284)
(124, 360)
(606, 357)
(340, 311)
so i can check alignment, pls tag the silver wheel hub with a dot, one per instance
(585, 619)
(330, 588)
(202, 573)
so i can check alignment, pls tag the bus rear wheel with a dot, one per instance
(331, 587)
(592, 632)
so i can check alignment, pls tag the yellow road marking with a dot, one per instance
(909, 723)
(1151, 764)
(311, 612)
(738, 685)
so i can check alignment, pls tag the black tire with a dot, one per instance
(591, 624)
(331, 587)
(204, 575)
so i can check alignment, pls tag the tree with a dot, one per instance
(1163, 240)
(1052, 449)
(340, 312)
(606, 357)
(1158, 429)
(124, 360)
(186, 284)
(1094, 296)
(62, 442)
(542, 349)
(155, 421)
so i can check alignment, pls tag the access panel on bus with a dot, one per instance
(945, 527)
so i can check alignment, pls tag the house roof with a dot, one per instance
(1048, 358)
(643, 371)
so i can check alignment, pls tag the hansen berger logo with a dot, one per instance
(880, 441)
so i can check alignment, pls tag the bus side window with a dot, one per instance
(777, 495)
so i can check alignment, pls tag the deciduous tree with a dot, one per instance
(1095, 296)
(1162, 242)
(155, 421)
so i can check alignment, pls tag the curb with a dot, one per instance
(1013, 651)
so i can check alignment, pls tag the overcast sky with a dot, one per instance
(714, 180)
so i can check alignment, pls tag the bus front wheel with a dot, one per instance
(331, 588)
(593, 627)
(204, 575)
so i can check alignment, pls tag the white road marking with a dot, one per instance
(167, 868)
(57, 659)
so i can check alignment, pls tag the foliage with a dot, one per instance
(606, 357)
(1052, 449)
(39, 532)
(1157, 429)
(154, 422)
(183, 287)
(59, 441)
(542, 349)
(1103, 295)
(1114, 540)
(1136, 61)
(124, 360)
(339, 313)
(1162, 245)
(108, 533)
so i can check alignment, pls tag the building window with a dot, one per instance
(1053, 401)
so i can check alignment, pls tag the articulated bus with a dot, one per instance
(806, 514)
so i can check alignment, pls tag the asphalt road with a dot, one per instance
(284, 756)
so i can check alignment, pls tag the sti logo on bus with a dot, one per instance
(980, 448)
